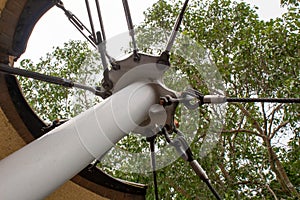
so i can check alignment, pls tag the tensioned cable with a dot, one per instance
(101, 39)
(164, 59)
(36, 75)
(100, 20)
(151, 140)
(176, 27)
(190, 94)
(46, 78)
(212, 189)
(76, 23)
(91, 20)
(203, 99)
(183, 149)
(130, 28)
(265, 100)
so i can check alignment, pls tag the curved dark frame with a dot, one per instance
(32, 12)
(35, 125)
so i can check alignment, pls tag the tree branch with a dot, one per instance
(268, 187)
(225, 173)
(279, 170)
(272, 116)
(265, 118)
(254, 122)
(243, 131)
(283, 124)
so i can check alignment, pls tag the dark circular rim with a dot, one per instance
(28, 125)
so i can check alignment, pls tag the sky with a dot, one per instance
(53, 29)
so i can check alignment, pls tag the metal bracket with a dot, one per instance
(148, 69)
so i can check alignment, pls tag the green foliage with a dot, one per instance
(74, 61)
(254, 57)
(290, 3)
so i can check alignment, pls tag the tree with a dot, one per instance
(255, 58)
(74, 61)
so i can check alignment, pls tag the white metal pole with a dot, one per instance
(40, 167)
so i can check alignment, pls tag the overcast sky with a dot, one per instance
(54, 28)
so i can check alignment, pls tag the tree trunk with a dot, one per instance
(281, 175)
